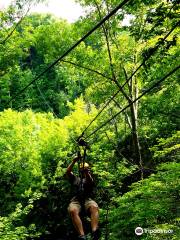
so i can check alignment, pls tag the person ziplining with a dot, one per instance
(82, 188)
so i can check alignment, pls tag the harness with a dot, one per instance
(82, 147)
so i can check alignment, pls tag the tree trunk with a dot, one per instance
(135, 138)
(134, 121)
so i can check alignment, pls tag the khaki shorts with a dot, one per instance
(74, 204)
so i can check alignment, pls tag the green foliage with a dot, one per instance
(11, 227)
(34, 149)
(39, 130)
(168, 148)
(151, 204)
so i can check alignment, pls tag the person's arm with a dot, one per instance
(71, 165)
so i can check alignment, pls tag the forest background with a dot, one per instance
(134, 142)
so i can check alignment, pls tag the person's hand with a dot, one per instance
(77, 158)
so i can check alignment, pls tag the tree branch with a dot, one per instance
(125, 113)
(118, 150)
(114, 79)
(17, 24)
(89, 69)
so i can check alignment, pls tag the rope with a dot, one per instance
(81, 172)
(128, 79)
(84, 157)
(71, 48)
(145, 92)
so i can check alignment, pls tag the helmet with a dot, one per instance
(85, 165)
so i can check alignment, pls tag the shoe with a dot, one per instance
(82, 237)
(96, 234)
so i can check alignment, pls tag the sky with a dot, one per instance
(66, 9)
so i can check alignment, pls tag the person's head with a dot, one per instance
(84, 167)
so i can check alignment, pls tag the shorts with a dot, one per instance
(75, 204)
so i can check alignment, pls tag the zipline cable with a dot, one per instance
(71, 48)
(145, 92)
(128, 79)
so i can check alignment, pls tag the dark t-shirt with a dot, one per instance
(81, 188)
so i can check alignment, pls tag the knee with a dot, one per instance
(73, 212)
(93, 209)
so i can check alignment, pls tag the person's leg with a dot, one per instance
(93, 209)
(74, 210)
(94, 213)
